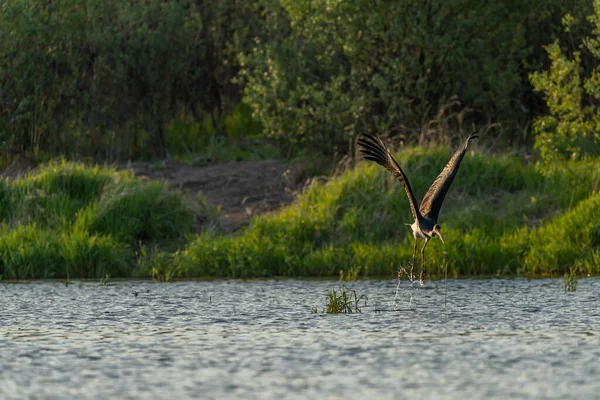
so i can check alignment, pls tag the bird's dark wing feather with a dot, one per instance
(432, 202)
(374, 150)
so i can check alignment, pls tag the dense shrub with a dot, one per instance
(423, 69)
(104, 78)
(134, 212)
(571, 88)
(67, 220)
(117, 78)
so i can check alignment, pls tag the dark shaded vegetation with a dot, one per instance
(117, 79)
(120, 79)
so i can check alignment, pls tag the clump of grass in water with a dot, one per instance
(570, 279)
(346, 302)
(104, 281)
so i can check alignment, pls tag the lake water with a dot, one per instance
(509, 339)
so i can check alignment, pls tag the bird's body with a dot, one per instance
(420, 230)
(425, 215)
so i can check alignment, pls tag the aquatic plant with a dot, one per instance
(570, 279)
(350, 275)
(347, 301)
(157, 264)
(104, 281)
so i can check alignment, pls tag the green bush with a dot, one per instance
(88, 255)
(67, 220)
(52, 193)
(133, 212)
(425, 70)
(571, 89)
(117, 79)
(29, 252)
(104, 79)
(575, 235)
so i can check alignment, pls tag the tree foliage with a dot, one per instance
(101, 78)
(422, 69)
(121, 78)
(572, 93)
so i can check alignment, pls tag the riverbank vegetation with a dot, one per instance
(67, 220)
(503, 217)
(105, 82)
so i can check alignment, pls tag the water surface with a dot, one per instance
(262, 340)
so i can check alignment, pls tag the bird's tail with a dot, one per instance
(373, 149)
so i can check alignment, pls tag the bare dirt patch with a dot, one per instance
(241, 188)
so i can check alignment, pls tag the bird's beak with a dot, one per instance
(440, 235)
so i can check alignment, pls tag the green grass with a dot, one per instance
(346, 302)
(570, 279)
(31, 252)
(220, 149)
(132, 212)
(53, 194)
(67, 220)
(501, 217)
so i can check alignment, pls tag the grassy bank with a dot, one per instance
(501, 217)
(66, 220)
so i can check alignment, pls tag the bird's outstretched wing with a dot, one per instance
(432, 202)
(374, 150)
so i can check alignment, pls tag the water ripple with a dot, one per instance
(261, 339)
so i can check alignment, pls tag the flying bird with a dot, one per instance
(425, 215)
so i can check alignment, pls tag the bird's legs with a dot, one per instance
(423, 261)
(412, 266)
